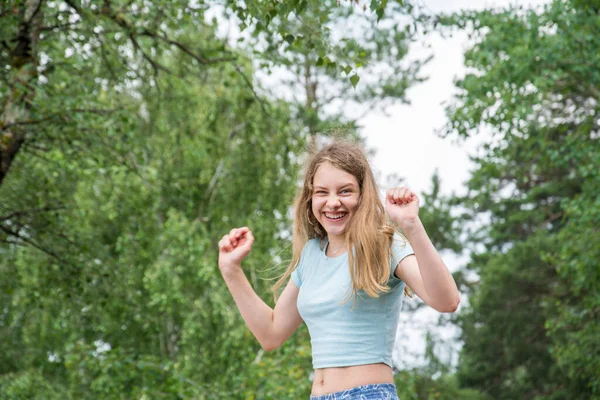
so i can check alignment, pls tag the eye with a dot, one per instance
(346, 191)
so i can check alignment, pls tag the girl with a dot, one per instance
(348, 272)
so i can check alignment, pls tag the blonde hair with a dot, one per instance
(369, 233)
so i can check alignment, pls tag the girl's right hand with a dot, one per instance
(234, 247)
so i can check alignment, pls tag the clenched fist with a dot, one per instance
(234, 247)
(402, 205)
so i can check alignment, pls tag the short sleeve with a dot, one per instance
(400, 250)
(297, 273)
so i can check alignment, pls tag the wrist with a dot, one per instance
(410, 225)
(230, 270)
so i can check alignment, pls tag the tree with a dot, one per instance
(126, 135)
(532, 322)
(45, 38)
(137, 305)
(352, 42)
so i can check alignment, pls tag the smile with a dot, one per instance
(335, 217)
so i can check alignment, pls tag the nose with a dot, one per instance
(333, 201)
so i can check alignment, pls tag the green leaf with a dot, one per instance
(289, 38)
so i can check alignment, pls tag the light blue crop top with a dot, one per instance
(342, 336)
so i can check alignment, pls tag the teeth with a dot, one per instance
(334, 216)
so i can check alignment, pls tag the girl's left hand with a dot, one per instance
(402, 205)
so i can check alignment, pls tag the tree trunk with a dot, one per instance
(23, 62)
(312, 111)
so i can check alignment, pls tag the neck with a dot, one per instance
(336, 244)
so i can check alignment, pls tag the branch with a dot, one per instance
(37, 9)
(9, 151)
(210, 191)
(32, 243)
(28, 122)
(145, 32)
(53, 27)
(107, 62)
(260, 101)
(186, 50)
(23, 213)
(98, 111)
(155, 65)
(74, 6)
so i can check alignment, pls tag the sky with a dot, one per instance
(406, 144)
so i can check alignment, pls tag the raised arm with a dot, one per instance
(270, 327)
(426, 274)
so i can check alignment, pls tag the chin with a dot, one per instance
(337, 231)
(334, 232)
(333, 228)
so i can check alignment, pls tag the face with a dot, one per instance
(334, 199)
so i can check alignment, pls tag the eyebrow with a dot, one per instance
(341, 187)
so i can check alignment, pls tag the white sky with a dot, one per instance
(406, 144)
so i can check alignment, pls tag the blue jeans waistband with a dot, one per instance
(380, 391)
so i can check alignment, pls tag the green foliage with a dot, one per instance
(28, 385)
(133, 249)
(443, 228)
(532, 326)
(144, 141)
(314, 50)
(419, 385)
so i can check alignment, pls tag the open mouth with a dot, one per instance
(335, 217)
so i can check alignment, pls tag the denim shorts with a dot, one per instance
(380, 391)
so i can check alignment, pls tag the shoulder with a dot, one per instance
(309, 252)
(400, 249)
(310, 249)
(312, 245)
(399, 240)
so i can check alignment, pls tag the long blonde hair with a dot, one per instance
(369, 233)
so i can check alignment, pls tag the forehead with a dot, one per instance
(328, 174)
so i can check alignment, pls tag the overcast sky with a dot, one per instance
(405, 142)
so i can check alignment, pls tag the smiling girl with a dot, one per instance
(348, 272)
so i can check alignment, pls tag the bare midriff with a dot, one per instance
(331, 380)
